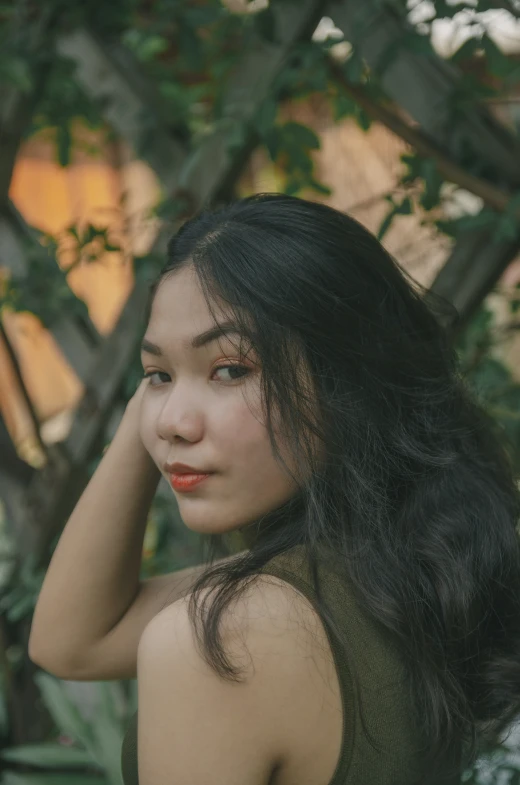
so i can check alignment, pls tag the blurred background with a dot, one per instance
(120, 120)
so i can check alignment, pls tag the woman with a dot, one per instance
(370, 630)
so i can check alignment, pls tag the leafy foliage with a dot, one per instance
(44, 289)
(187, 50)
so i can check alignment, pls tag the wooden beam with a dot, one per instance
(495, 197)
(473, 269)
(11, 465)
(112, 78)
(15, 477)
(27, 32)
(16, 110)
(425, 87)
(15, 114)
(19, 381)
(126, 99)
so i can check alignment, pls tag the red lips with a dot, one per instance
(185, 481)
(183, 468)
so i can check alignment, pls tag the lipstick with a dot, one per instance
(186, 482)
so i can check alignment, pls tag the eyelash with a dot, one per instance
(217, 368)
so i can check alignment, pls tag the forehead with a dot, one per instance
(179, 312)
(179, 302)
(178, 295)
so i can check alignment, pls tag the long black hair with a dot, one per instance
(414, 492)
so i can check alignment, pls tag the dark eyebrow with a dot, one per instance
(200, 340)
(225, 328)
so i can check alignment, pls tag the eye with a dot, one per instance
(241, 370)
(150, 374)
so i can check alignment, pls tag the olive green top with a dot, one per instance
(382, 686)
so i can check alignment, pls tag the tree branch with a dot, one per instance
(21, 384)
(16, 105)
(495, 197)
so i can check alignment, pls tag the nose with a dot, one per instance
(180, 417)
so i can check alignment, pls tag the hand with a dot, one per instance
(133, 407)
(135, 400)
(132, 419)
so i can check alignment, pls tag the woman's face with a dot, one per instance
(201, 407)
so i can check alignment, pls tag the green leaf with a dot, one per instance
(301, 135)
(47, 755)
(109, 731)
(354, 67)
(190, 46)
(14, 778)
(5, 712)
(432, 184)
(22, 608)
(144, 46)
(272, 143)
(63, 144)
(405, 207)
(489, 375)
(466, 51)
(507, 228)
(152, 46)
(299, 160)
(168, 209)
(203, 15)
(416, 42)
(319, 187)
(385, 224)
(343, 106)
(66, 715)
(445, 9)
(73, 231)
(363, 119)
(513, 206)
(16, 70)
(91, 232)
(265, 118)
(265, 23)
(292, 187)
(498, 63)
(476, 334)
(413, 165)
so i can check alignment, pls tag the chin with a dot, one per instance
(201, 524)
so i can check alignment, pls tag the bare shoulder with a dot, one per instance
(277, 714)
(267, 619)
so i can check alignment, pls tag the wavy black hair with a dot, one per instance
(414, 493)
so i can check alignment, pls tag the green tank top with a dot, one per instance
(381, 683)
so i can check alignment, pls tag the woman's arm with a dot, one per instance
(93, 577)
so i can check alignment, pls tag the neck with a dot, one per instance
(269, 525)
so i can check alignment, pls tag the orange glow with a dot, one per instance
(52, 198)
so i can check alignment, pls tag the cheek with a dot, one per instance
(244, 444)
(237, 429)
